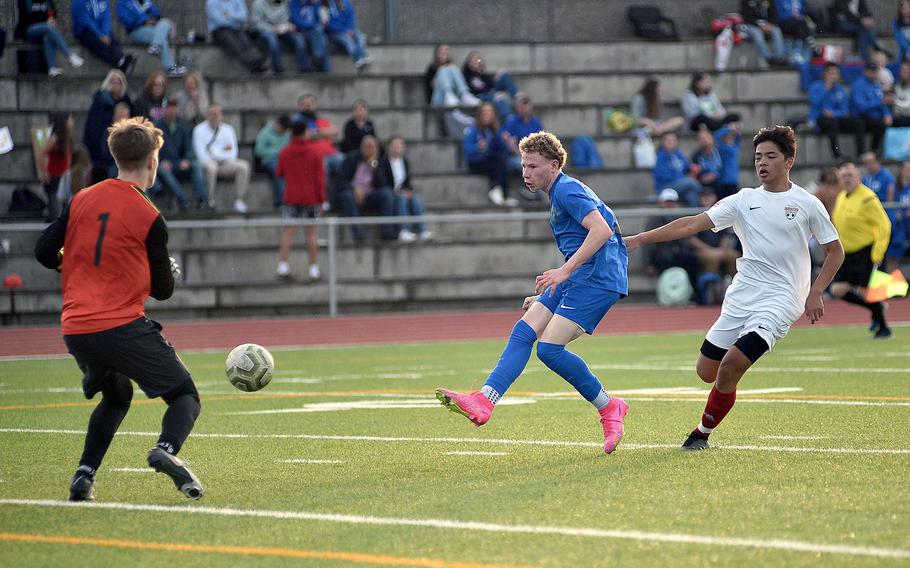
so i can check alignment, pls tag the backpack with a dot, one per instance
(24, 203)
(584, 153)
(649, 23)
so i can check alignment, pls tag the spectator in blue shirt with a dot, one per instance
(485, 152)
(305, 17)
(870, 113)
(177, 161)
(271, 21)
(791, 17)
(727, 139)
(92, 28)
(901, 29)
(519, 124)
(900, 220)
(145, 26)
(877, 178)
(707, 158)
(227, 22)
(342, 30)
(828, 107)
(672, 171)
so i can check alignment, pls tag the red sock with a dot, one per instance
(719, 404)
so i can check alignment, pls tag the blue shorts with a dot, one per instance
(583, 305)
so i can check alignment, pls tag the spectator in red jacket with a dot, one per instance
(300, 164)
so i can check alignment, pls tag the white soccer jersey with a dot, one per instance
(774, 272)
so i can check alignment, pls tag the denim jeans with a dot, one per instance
(757, 36)
(449, 79)
(354, 44)
(277, 182)
(293, 40)
(156, 34)
(50, 37)
(318, 49)
(411, 206)
(865, 38)
(687, 188)
(170, 180)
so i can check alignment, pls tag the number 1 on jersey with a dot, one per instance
(102, 218)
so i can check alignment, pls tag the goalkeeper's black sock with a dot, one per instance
(177, 422)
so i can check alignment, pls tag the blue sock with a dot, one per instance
(513, 360)
(573, 369)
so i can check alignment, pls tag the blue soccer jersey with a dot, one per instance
(572, 201)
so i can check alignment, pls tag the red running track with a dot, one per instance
(397, 328)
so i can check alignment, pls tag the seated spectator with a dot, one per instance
(728, 140)
(792, 18)
(700, 105)
(324, 132)
(300, 166)
(176, 160)
(271, 21)
(901, 30)
(828, 107)
(647, 109)
(341, 28)
(828, 187)
(853, 17)
(37, 23)
(519, 124)
(444, 82)
(394, 174)
(106, 162)
(145, 26)
(901, 108)
(358, 126)
(672, 171)
(356, 193)
(54, 159)
(215, 146)
(192, 100)
(877, 178)
(227, 22)
(716, 254)
(885, 76)
(92, 28)
(150, 102)
(305, 17)
(900, 220)
(485, 152)
(870, 113)
(707, 158)
(100, 116)
(661, 256)
(273, 137)
(77, 177)
(497, 88)
(758, 26)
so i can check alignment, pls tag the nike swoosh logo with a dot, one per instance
(751, 208)
(565, 307)
(764, 328)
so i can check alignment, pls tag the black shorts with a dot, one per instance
(857, 268)
(136, 349)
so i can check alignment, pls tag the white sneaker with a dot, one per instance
(450, 100)
(470, 100)
(314, 272)
(425, 235)
(76, 61)
(496, 196)
(240, 206)
(510, 202)
(407, 236)
(153, 50)
(363, 62)
(54, 72)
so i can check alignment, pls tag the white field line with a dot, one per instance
(468, 453)
(133, 469)
(306, 461)
(482, 441)
(473, 526)
(760, 369)
(775, 401)
(794, 437)
(394, 404)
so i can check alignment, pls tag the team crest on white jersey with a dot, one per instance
(791, 212)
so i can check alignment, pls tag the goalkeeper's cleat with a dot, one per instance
(611, 418)
(695, 442)
(474, 406)
(82, 487)
(175, 468)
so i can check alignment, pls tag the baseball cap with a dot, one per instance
(668, 194)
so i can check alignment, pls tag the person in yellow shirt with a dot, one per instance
(865, 231)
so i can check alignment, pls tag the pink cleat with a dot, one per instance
(475, 406)
(611, 418)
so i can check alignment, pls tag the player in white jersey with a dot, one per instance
(772, 286)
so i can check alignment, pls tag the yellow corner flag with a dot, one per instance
(883, 286)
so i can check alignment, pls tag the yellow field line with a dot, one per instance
(357, 557)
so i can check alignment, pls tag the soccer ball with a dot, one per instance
(249, 367)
